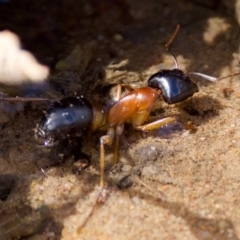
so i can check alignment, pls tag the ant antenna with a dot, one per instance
(169, 43)
(213, 79)
(231, 75)
(204, 76)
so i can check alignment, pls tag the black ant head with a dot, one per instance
(175, 85)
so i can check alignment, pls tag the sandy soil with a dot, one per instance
(191, 180)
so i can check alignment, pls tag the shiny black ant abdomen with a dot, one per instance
(68, 117)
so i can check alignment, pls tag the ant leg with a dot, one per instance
(119, 131)
(116, 147)
(119, 128)
(162, 122)
(188, 127)
(119, 91)
(107, 139)
(156, 124)
(128, 87)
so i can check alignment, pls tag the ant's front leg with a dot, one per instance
(156, 124)
(163, 122)
(139, 117)
(119, 90)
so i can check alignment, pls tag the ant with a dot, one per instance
(75, 116)
(72, 117)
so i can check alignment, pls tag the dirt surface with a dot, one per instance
(190, 180)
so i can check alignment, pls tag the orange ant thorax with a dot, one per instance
(132, 104)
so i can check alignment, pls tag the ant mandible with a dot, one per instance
(73, 116)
